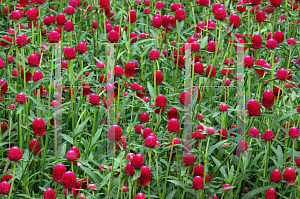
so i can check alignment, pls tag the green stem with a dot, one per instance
(170, 158)
(186, 179)
(120, 175)
(285, 191)
(12, 182)
(150, 150)
(111, 176)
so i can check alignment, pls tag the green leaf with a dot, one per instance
(25, 195)
(227, 31)
(79, 128)
(231, 173)
(285, 116)
(204, 42)
(194, 97)
(215, 146)
(96, 136)
(258, 156)
(171, 194)
(37, 103)
(218, 163)
(36, 84)
(280, 155)
(20, 108)
(177, 183)
(136, 175)
(91, 174)
(151, 90)
(67, 138)
(253, 193)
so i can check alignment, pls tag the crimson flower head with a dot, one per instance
(189, 159)
(154, 54)
(58, 171)
(70, 10)
(203, 2)
(4, 188)
(282, 74)
(156, 22)
(16, 14)
(15, 154)
(115, 133)
(289, 175)
(161, 101)
(172, 113)
(137, 161)
(268, 99)
(132, 16)
(260, 16)
(241, 8)
(243, 146)
(211, 71)
(279, 36)
(145, 177)
(255, 2)
(32, 14)
(54, 37)
(104, 3)
(223, 107)
(22, 40)
(21, 98)
(180, 14)
(256, 41)
(131, 69)
(291, 41)
(94, 99)
(211, 46)
(49, 194)
(150, 141)
(210, 130)
(215, 7)
(253, 107)
(276, 3)
(298, 161)
(159, 77)
(270, 193)
(69, 180)
(271, 44)
(118, 70)
(61, 19)
(37, 148)
(185, 98)
(140, 196)
(276, 175)
(235, 20)
(174, 125)
(71, 155)
(198, 182)
(37, 75)
(267, 135)
(226, 185)
(7, 10)
(33, 60)
(3, 87)
(81, 47)
(69, 26)
(144, 117)
(38, 126)
(70, 53)
(220, 14)
(293, 132)
(113, 36)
